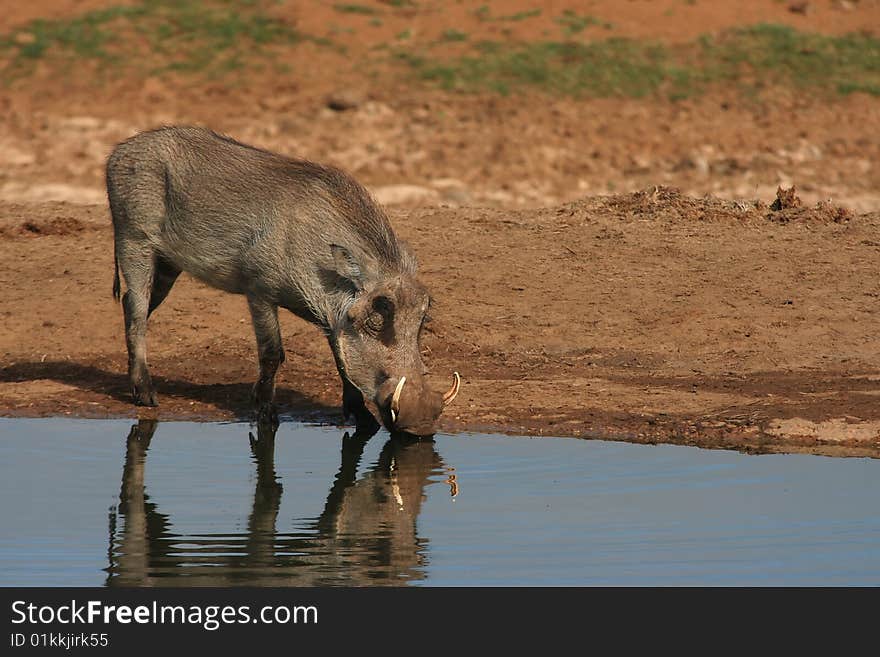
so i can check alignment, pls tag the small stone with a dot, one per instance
(344, 100)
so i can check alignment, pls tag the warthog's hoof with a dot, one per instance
(365, 423)
(267, 414)
(262, 402)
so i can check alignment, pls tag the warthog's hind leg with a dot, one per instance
(271, 353)
(136, 261)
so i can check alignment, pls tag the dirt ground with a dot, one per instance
(650, 317)
(577, 292)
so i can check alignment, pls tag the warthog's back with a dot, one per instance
(241, 218)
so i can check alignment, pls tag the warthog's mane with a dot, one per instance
(350, 199)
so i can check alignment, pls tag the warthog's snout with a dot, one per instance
(411, 406)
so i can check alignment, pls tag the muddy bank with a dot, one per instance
(651, 317)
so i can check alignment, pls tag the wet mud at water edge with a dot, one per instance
(121, 503)
(647, 317)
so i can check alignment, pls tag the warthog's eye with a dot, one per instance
(373, 323)
(384, 307)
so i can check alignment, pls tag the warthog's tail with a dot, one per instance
(116, 288)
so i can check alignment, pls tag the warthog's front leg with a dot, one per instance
(353, 404)
(353, 400)
(265, 320)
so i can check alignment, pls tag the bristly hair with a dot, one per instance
(352, 200)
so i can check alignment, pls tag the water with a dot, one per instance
(113, 502)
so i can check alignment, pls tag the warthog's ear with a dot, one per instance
(347, 267)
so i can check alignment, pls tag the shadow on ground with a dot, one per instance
(230, 397)
(788, 394)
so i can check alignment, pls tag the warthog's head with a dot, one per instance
(377, 347)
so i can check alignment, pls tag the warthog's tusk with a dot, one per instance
(453, 391)
(395, 400)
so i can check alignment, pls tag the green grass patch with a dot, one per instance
(751, 59)
(211, 36)
(356, 9)
(84, 36)
(572, 23)
(484, 13)
(609, 68)
(453, 35)
(521, 15)
(784, 55)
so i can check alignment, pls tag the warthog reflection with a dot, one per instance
(366, 534)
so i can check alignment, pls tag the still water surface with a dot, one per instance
(120, 503)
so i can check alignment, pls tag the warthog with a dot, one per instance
(282, 232)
